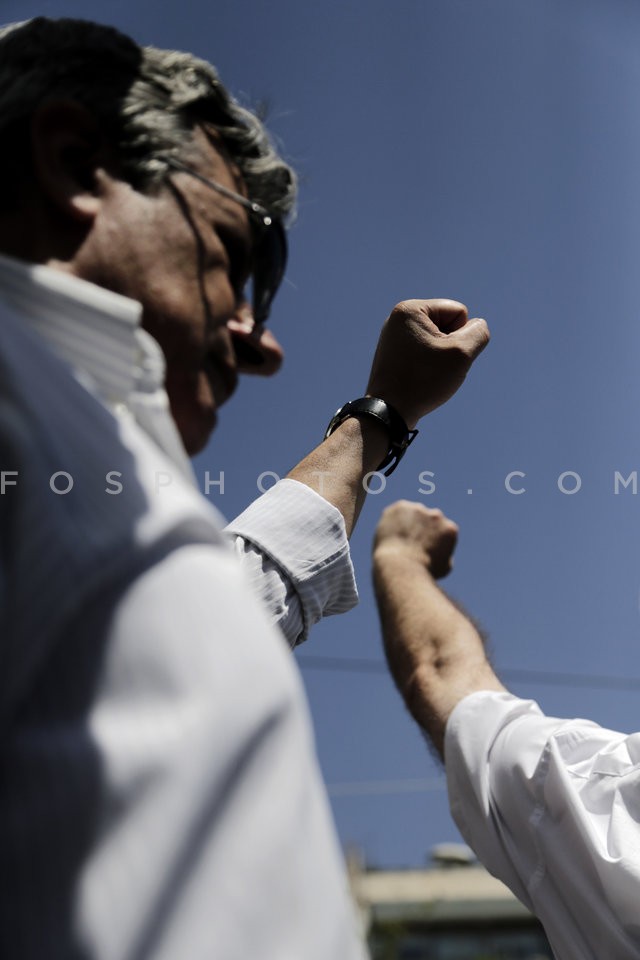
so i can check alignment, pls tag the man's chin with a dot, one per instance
(196, 431)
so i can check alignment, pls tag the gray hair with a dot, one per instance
(147, 101)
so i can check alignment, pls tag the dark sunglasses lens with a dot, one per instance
(270, 257)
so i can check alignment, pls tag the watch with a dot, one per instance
(399, 434)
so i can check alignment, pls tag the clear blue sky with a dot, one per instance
(489, 151)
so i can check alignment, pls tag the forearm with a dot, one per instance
(435, 653)
(338, 467)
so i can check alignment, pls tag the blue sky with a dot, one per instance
(489, 151)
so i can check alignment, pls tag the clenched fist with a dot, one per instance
(417, 531)
(425, 350)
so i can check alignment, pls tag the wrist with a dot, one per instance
(370, 434)
(399, 437)
(397, 551)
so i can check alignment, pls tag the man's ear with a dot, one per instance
(67, 150)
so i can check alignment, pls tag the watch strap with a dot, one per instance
(400, 437)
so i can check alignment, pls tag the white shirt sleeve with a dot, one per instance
(293, 546)
(551, 807)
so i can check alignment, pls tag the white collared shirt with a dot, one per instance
(98, 334)
(552, 808)
(159, 792)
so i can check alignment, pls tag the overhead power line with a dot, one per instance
(591, 681)
(368, 788)
(424, 785)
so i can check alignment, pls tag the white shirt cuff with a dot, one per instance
(305, 537)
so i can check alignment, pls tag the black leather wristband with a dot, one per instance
(399, 434)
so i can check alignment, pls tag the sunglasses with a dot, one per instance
(269, 247)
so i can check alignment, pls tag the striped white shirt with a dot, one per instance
(291, 541)
(159, 792)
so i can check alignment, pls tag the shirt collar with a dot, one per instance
(95, 330)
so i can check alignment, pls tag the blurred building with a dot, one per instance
(453, 910)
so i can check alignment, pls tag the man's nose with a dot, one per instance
(257, 350)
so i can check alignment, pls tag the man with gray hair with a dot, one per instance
(160, 794)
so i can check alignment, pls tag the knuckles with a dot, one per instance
(406, 518)
(406, 309)
(437, 304)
